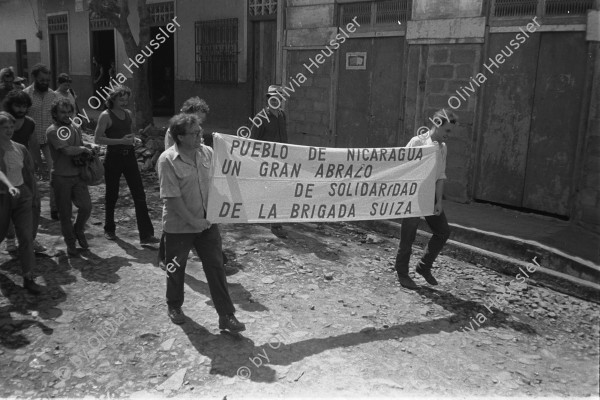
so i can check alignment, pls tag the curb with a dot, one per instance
(556, 271)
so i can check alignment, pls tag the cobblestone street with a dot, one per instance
(325, 316)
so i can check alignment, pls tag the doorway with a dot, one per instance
(59, 55)
(161, 76)
(22, 62)
(103, 50)
(530, 123)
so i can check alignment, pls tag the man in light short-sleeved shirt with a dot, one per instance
(183, 173)
(438, 223)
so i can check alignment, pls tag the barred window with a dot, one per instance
(58, 23)
(372, 14)
(262, 7)
(514, 8)
(97, 23)
(161, 13)
(572, 7)
(554, 8)
(217, 51)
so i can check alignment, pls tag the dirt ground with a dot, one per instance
(325, 317)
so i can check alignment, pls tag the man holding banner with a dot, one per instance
(444, 121)
(183, 173)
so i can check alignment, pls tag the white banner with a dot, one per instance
(263, 182)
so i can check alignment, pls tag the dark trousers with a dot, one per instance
(19, 210)
(119, 163)
(408, 232)
(35, 221)
(161, 252)
(67, 190)
(45, 148)
(208, 247)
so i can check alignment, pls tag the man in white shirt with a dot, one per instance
(438, 223)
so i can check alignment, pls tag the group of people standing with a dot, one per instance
(37, 120)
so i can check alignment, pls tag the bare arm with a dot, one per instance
(14, 192)
(100, 134)
(4, 179)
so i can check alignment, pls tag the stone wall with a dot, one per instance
(309, 106)
(449, 68)
(310, 26)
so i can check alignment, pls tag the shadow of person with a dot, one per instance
(228, 353)
(142, 255)
(94, 268)
(464, 310)
(232, 356)
(302, 238)
(307, 238)
(24, 303)
(239, 295)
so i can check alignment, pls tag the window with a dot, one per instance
(161, 13)
(58, 23)
(261, 8)
(375, 14)
(572, 7)
(217, 51)
(529, 8)
(98, 23)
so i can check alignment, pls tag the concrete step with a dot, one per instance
(510, 255)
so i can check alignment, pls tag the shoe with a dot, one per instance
(149, 240)
(176, 315)
(279, 232)
(407, 282)
(426, 273)
(54, 215)
(72, 250)
(38, 248)
(31, 286)
(82, 240)
(110, 235)
(11, 245)
(230, 323)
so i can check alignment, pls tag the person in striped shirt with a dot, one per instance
(41, 103)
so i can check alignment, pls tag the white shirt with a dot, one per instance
(441, 154)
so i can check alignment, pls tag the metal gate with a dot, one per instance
(530, 125)
(369, 92)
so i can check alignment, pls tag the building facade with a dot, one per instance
(20, 41)
(521, 75)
